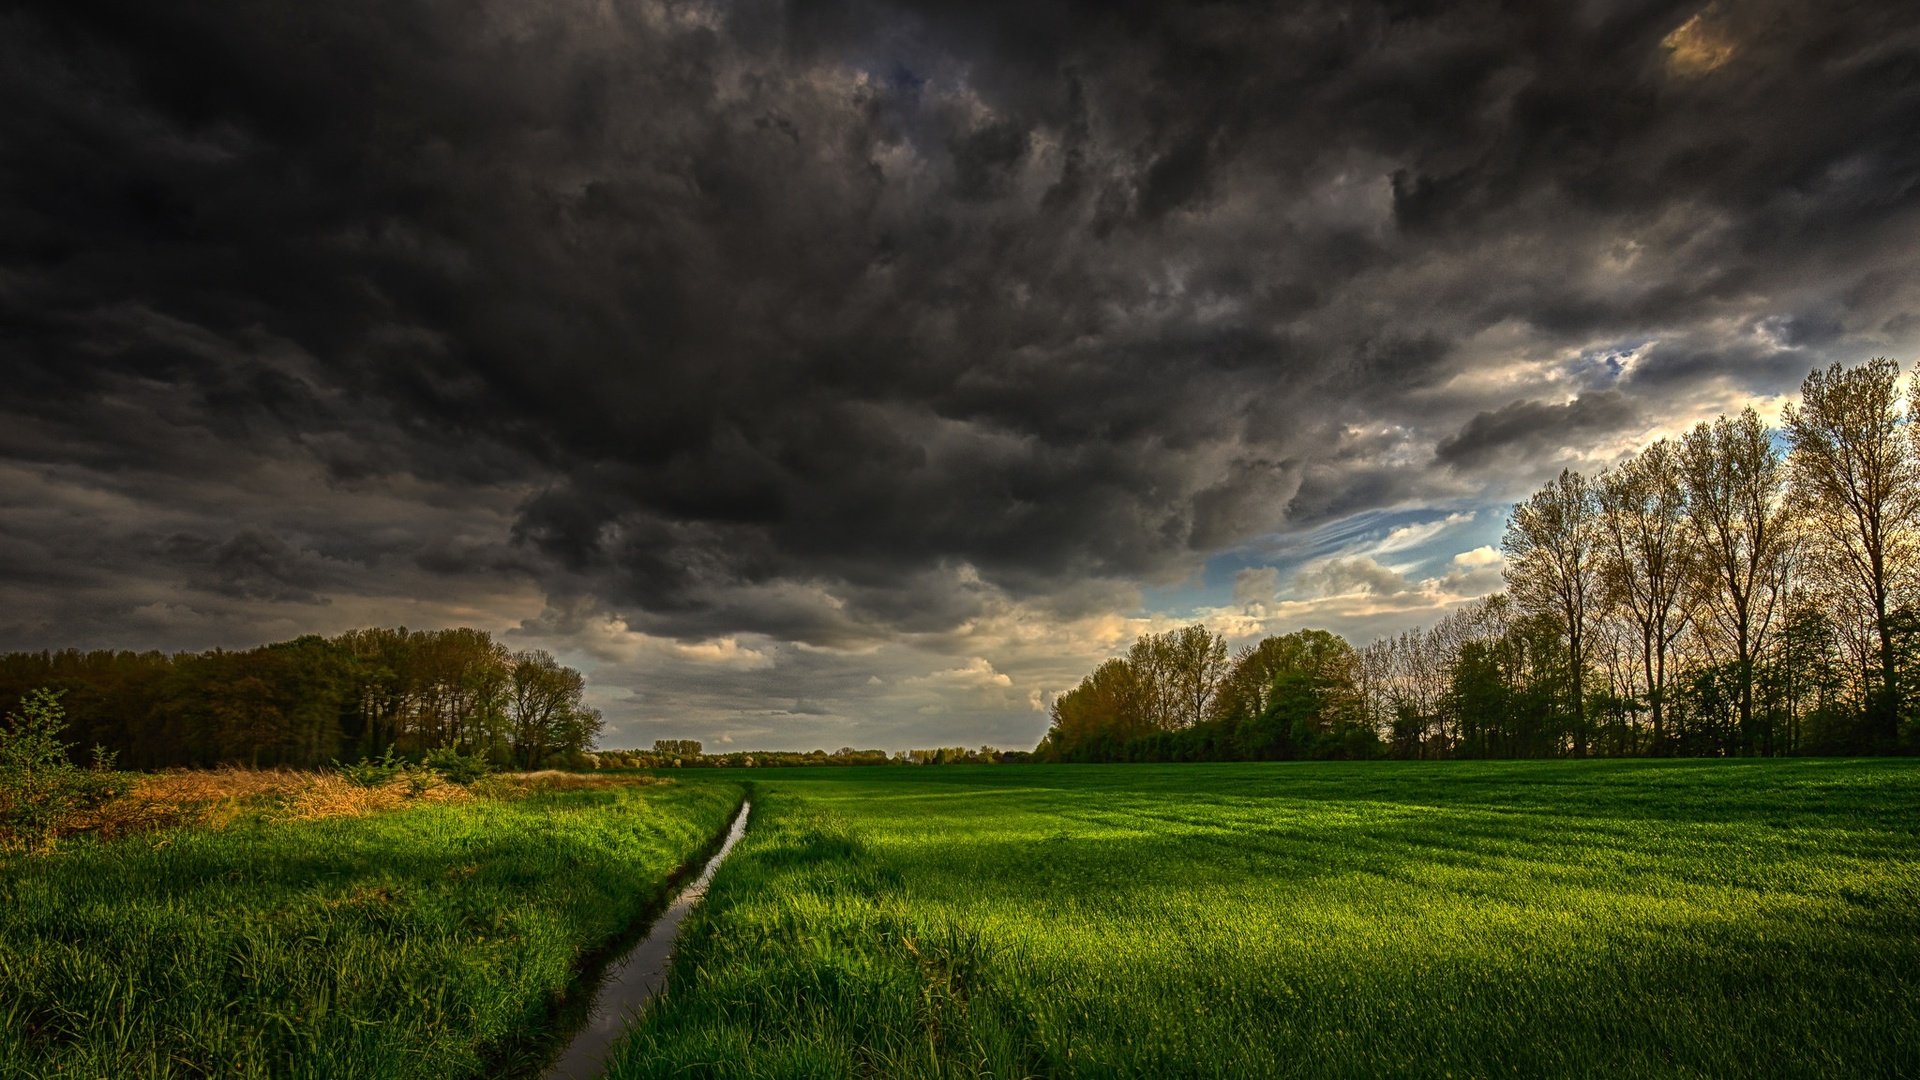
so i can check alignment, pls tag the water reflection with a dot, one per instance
(635, 978)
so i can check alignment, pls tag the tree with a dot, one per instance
(1196, 666)
(1309, 704)
(544, 711)
(1648, 559)
(1742, 533)
(382, 677)
(1478, 691)
(1105, 706)
(1857, 485)
(298, 703)
(1803, 681)
(1177, 674)
(1243, 693)
(1553, 563)
(41, 789)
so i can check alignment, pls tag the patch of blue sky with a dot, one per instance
(1393, 537)
(1602, 365)
(1187, 597)
(1421, 542)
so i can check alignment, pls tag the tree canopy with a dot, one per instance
(1743, 590)
(313, 700)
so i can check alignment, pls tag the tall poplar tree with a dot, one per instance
(1647, 560)
(1857, 486)
(1735, 481)
(1553, 569)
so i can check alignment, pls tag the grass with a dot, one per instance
(1594, 919)
(216, 798)
(313, 937)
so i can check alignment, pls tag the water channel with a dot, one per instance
(634, 979)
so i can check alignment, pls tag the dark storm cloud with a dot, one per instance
(254, 565)
(1529, 428)
(1759, 364)
(825, 321)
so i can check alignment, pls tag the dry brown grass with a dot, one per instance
(509, 784)
(330, 795)
(215, 798)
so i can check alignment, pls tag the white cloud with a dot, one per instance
(976, 673)
(1256, 585)
(1485, 555)
(1412, 536)
(1349, 575)
(609, 639)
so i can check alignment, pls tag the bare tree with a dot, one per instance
(1152, 664)
(1735, 480)
(1177, 675)
(1197, 665)
(1857, 486)
(1403, 679)
(1553, 564)
(1648, 559)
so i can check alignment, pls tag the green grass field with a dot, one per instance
(1595, 919)
(429, 942)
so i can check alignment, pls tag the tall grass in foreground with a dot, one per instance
(430, 942)
(1597, 919)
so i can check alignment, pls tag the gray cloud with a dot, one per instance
(1527, 428)
(1353, 574)
(847, 325)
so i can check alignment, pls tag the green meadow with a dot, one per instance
(1465, 919)
(1595, 919)
(435, 941)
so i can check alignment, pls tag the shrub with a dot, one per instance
(456, 767)
(420, 779)
(42, 792)
(372, 772)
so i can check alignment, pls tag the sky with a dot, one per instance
(861, 374)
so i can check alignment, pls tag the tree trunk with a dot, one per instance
(1579, 698)
(1887, 711)
(1650, 644)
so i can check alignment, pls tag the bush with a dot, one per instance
(420, 779)
(456, 767)
(372, 772)
(42, 792)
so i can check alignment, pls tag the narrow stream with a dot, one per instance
(635, 978)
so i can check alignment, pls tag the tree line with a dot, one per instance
(687, 753)
(313, 700)
(1740, 590)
